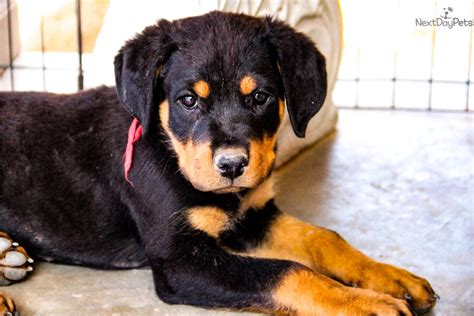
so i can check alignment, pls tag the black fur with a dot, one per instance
(63, 193)
(303, 70)
(252, 229)
(136, 66)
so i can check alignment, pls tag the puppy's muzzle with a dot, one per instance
(231, 162)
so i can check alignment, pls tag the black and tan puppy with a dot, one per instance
(209, 93)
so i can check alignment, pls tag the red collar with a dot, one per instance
(134, 133)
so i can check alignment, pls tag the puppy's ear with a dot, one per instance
(137, 66)
(303, 72)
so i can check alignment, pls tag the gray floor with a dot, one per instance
(397, 185)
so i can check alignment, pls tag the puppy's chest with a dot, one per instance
(213, 219)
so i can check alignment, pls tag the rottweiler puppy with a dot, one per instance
(196, 110)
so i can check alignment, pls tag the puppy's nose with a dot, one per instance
(232, 165)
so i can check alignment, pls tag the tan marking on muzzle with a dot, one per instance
(202, 89)
(247, 85)
(209, 219)
(262, 157)
(194, 160)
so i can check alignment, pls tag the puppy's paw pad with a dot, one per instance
(7, 306)
(14, 261)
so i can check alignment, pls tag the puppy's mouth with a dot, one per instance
(229, 189)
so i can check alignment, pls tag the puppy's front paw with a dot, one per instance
(400, 284)
(305, 293)
(368, 302)
(14, 261)
(7, 306)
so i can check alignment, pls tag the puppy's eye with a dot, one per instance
(260, 98)
(188, 101)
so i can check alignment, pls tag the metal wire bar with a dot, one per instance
(404, 79)
(23, 67)
(433, 43)
(357, 79)
(398, 108)
(468, 82)
(10, 47)
(80, 77)
(43, 65)
(395, 60)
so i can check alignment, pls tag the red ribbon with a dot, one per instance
(134, 133)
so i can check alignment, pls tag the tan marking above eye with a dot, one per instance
(202, 89)
(247, 85)
(209, 219)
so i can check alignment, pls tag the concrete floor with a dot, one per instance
(397, 185)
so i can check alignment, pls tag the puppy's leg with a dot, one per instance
(200, 273)
(326, 252)
(7, 306)
(191, 267)
(14, 261)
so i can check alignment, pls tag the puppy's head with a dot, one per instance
(216, 85)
